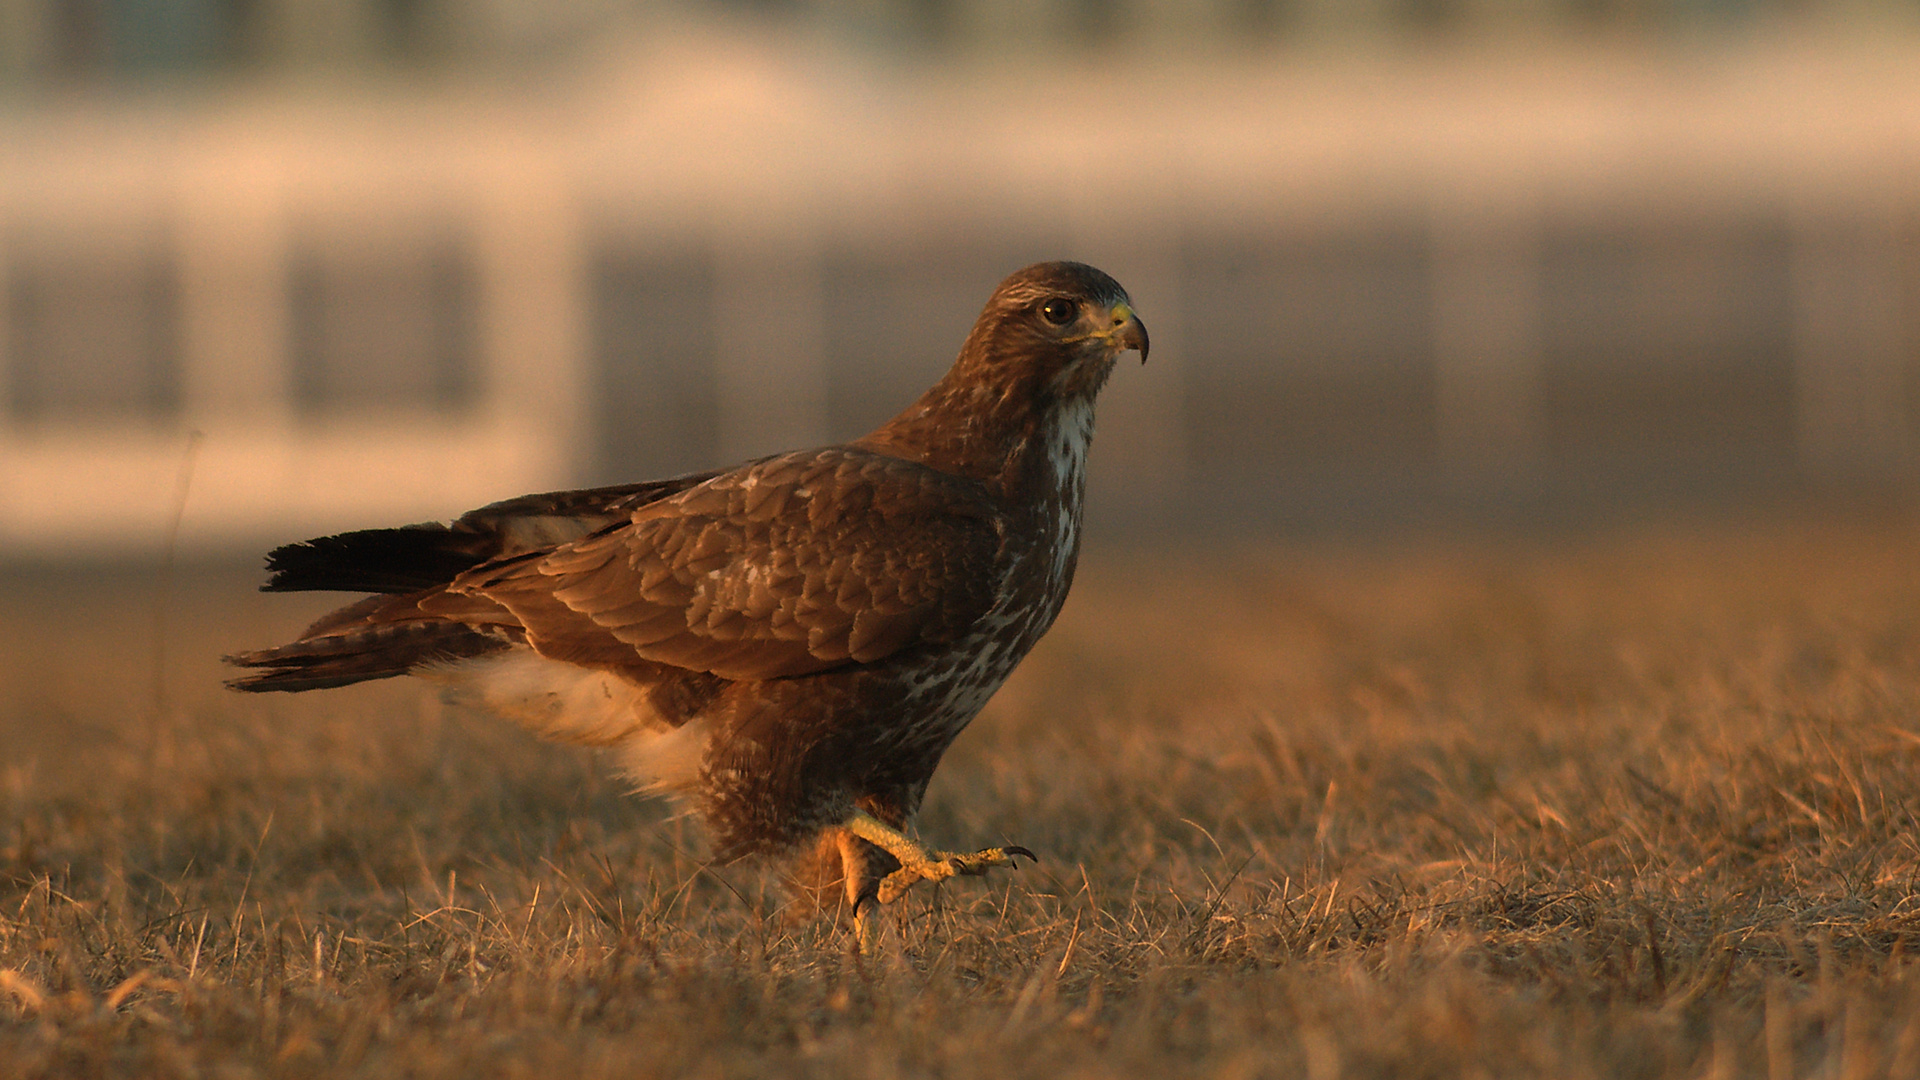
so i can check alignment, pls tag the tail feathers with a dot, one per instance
(373, 652)
(376, 560)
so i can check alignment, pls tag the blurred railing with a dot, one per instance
(1478, 279)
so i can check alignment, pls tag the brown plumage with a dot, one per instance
(789, 646)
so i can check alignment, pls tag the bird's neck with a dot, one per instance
(1019, 444)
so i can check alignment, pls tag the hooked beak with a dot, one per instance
(1127, 332)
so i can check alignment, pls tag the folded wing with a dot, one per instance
(787, 566)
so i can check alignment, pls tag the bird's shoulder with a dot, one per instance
(836, 485)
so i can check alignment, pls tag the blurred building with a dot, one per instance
(391, 260)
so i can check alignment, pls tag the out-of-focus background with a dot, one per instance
(1503, 259)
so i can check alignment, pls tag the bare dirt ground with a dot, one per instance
(1633, 803)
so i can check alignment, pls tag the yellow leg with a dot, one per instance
(860, 891)
(917, 864)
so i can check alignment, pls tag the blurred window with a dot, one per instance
(383, 323)
(93, 332)
(654, 405)
(1309, 351)
(1668, 346)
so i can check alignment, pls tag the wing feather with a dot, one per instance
(787, 566)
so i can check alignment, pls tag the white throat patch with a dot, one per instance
(1068, 438)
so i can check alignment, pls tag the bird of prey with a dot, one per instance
(787, 646)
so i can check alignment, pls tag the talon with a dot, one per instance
(917, 864)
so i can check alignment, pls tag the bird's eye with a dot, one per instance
(1057, 312)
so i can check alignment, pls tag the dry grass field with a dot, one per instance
(1637, 802)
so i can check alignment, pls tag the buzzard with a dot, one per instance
(787, 646)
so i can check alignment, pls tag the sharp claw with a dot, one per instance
(1012, 851)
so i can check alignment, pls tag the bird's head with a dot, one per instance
(1042, 348)
(1053, 330)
